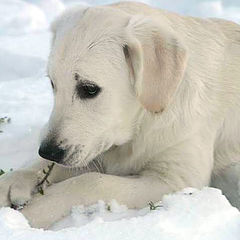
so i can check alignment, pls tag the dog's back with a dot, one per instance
(213, 67)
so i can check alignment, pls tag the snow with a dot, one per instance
(199, 215)
(26, 97)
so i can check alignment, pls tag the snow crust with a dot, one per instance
(187, 215)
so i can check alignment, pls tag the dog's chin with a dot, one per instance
(69, 163)
(66, 164)
(78, 163)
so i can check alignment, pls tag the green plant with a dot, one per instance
(4, 120)
(153, 207)
(40, 185)
(1, 172)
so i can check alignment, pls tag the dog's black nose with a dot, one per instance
(51, 151)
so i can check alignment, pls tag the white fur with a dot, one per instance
(143, 154)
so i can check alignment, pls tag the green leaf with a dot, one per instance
(1, 172)
(40, 190)
(4, 120)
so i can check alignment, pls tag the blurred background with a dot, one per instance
(25, 92)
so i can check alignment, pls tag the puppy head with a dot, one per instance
(104, 67)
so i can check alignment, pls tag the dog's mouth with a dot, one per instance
(76, 157)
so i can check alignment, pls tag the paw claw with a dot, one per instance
(17, 207)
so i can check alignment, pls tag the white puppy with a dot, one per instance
(152, 96)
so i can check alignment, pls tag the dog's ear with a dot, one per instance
(157, 60)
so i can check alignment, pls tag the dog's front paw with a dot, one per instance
(16, 188)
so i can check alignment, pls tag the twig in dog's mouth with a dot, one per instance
(45, 178)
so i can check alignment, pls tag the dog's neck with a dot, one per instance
(131, 157)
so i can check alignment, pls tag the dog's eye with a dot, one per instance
(87, 90)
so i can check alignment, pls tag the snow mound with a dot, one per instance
(190, 214)
(18, 16)
(26, 65)
(27, 102)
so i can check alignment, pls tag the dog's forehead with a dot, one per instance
(94, 27)
(88, 41)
